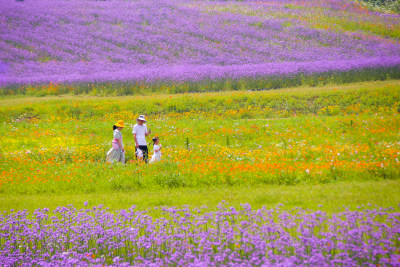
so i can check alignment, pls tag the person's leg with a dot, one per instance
(145, 152)
(123, 157)
(146, 157)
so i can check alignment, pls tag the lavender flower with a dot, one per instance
(182, 40)
(227, 236)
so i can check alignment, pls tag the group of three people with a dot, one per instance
(140, 132)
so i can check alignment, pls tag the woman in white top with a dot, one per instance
(117, 152)
(157, 150)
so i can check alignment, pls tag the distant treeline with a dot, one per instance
(393, 5)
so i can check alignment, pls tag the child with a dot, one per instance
(157, 150)
(117, 152)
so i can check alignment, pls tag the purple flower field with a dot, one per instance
(195, 237)
(46, 41)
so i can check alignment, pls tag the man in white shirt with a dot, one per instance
(139, 134)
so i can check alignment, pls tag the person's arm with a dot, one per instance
(118, 137)
(158, 149)
(120, 145)
(147, 132)
(134, 137)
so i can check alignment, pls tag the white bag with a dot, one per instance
(139, 153)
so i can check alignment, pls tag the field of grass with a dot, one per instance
(299, 176)
(278, 143)
(329, 198)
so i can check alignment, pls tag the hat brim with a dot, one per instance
(141, 120)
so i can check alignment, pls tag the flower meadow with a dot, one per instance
(56, 146)
(195, 237)
(323, 147)
(131, 47)
(246, 138)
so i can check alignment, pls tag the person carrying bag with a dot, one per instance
(139, 134)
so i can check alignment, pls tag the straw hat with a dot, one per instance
(120, 123)
(142, 118)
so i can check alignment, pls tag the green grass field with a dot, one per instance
(330, 198)
(320, 148)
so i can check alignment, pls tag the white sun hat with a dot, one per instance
(142, 118)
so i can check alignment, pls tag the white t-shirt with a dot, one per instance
(140, 131)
